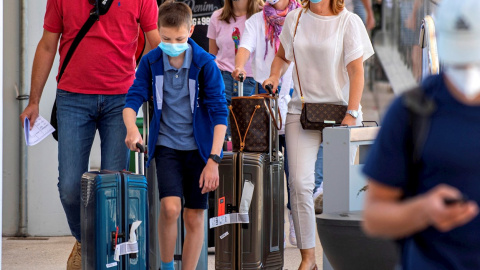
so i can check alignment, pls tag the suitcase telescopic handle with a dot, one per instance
(140, 147)
(241, 77)
(269, 88)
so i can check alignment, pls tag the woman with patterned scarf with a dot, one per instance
(261, 40)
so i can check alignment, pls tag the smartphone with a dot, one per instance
(452, 201)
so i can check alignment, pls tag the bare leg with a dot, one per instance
(308, 259)
(192, 247)
(170, 208)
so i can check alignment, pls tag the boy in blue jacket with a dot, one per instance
(187, 128)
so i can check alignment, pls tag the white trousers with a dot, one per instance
(302, 152)
(302, 148)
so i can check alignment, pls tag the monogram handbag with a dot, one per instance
(250, 123)
(317, 116)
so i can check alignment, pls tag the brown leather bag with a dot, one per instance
(250, 123)
(317, 116)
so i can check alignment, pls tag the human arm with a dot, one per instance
(133, 134)
(356, 75)
(212, 46)
(139, 92)
(209, 178)
(42, 64)
(240, 60)
(411, 21)
(153, 38)
(370, 17)
(212, 34)
(213, 98)
(386, 215)
(248, 44)
(279, 67)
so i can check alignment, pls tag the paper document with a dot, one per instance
(41, 129)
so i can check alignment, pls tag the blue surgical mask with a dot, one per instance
(315, 1)
(173, 49)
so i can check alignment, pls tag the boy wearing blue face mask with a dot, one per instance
(187, 128)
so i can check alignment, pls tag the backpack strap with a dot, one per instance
(420, 107)
(100, 9)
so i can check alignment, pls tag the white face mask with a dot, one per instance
(465, 79)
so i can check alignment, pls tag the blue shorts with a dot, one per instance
(178, 174)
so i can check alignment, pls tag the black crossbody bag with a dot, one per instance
(101, 7)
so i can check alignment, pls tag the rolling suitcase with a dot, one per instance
(114, 221)
(257, 244)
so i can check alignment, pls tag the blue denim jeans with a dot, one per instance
(319, 168)
(231, 90)
(79, 116)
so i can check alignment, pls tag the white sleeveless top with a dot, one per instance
(324, 46)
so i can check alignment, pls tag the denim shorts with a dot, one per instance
(178, 175)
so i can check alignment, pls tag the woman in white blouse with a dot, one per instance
(330, 45)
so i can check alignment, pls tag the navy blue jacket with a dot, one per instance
(207, 98)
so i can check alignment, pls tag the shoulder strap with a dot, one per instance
(420, 108)
(294, 58)
(101, 8)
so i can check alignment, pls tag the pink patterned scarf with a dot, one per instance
(274, 20)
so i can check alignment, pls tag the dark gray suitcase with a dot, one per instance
(258, 244)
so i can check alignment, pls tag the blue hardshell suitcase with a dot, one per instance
(111, 203)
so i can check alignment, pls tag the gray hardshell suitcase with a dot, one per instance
(259, 243)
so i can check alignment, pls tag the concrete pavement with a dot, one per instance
(51, 253)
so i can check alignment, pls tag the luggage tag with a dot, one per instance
(234, 218)
(128, 247)
(247, 195)
(221, 206)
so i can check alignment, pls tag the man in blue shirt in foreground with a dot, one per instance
(436, 217)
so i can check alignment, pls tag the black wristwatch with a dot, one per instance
(215, 158)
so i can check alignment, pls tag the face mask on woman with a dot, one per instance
(315, 1)
(465, 79)
(173, 49)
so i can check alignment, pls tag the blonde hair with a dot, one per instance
(253, 7)
(335, 5)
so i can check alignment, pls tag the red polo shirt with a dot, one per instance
(104, 61)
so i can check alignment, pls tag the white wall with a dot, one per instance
(1, 122)
(45, 212)
(10, 132)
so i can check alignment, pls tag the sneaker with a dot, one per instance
(75, 259)
(292, 238)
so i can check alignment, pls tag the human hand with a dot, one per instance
(209, 178)
(273, 82)
(370, 22)
(410, 22)
(133, 137)
(236, 73)
(348, 120)
(30, 112)
(446, 217)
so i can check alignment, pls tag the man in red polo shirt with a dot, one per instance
(91, 92)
